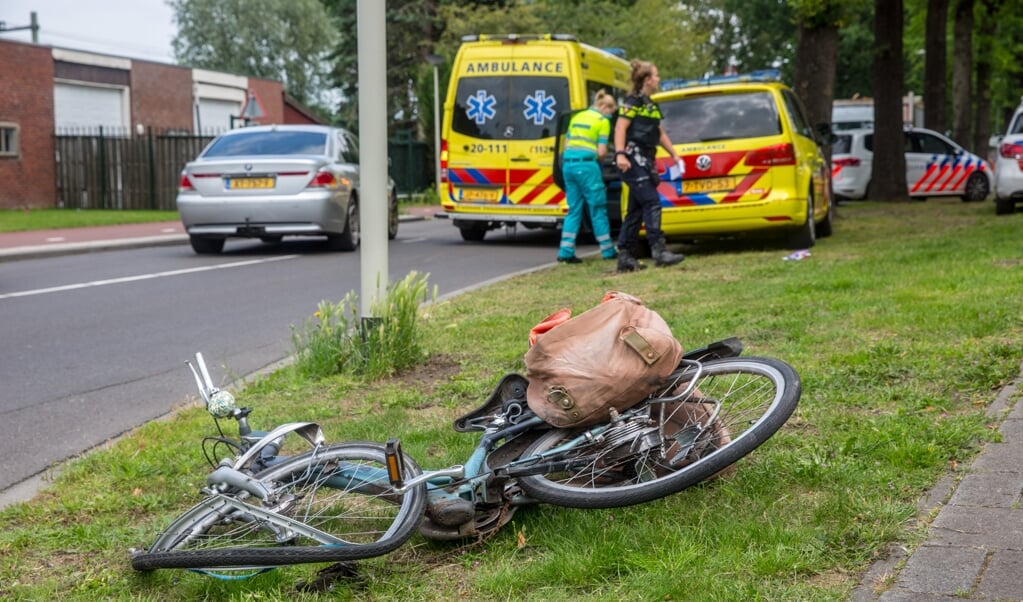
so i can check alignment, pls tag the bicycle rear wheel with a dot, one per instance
(331, 504)
(662, 448)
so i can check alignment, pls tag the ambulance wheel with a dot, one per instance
(473, 232)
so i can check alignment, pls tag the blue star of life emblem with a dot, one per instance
(481, 107)
(539, 107)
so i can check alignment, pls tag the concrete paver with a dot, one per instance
(974, 546)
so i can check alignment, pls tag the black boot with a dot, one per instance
(662, 256)
(626, 262)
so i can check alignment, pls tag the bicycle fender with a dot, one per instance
(310, 431)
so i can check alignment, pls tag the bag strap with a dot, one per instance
(640, 345)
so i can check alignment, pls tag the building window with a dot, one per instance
(9, 146)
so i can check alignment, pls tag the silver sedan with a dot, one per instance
(269, 182)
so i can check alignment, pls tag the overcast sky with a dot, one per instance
(140, 29)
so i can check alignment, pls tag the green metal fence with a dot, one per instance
(104, 169)
(411, 163)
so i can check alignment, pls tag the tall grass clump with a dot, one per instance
(336, 340)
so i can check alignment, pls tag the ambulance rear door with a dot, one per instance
(503, 127)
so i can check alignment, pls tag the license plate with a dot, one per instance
(249, 183)
(484, 195)
(709, 184)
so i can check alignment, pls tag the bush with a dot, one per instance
(336, 340)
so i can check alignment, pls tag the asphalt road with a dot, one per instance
(95, 344)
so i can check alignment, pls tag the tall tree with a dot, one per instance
(412, 30)
(962, 71)
(283, 40)
(935, 75)
(853, 64)
(817, 44)
(986, 28)
(888, 179)
(758, 34)
(670, 38)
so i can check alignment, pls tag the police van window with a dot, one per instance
(509, 108)
(842, 144)
(930, 144)
(720, 117)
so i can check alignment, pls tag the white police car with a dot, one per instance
(935, 166)
(1009, 166)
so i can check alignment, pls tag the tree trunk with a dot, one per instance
(962, 71)
(814, 78)
(986, 28)
(935, 65)
(888, 177)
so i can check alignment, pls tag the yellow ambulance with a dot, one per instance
(506, 96)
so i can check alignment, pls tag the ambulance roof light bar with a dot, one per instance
(515, 38)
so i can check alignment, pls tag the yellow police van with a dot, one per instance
(506, 96)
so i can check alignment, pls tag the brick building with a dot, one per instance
(45, 91)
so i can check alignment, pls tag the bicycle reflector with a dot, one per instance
(392, 452)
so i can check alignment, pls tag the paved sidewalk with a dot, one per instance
(974, 545)
(42, 243)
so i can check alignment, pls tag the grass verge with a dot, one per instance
(21, 220)
(903, 326)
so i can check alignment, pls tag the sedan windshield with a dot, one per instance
(269, 143)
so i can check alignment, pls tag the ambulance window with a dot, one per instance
(509, 108)
(592, 87)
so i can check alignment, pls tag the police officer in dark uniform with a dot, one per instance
(637, 135)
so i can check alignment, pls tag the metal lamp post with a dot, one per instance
(436, 61)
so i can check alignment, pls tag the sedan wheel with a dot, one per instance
(350, 238)
(205, 245)
(392, 217)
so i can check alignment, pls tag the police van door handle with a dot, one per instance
(520, 159)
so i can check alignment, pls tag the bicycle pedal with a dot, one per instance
(395, 462)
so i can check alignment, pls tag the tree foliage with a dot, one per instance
(660, 31)
(284, 40)
(413, 26)
(311, 45)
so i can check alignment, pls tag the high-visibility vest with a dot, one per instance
(587, 130)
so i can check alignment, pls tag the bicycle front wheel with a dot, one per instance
(737, 404)
(331, 504)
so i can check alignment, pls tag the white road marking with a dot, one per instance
(80, 285)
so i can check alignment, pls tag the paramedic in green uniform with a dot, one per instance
(585, 145)
(638, 132)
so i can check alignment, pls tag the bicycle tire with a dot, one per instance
(757, 396)
(371, 519)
